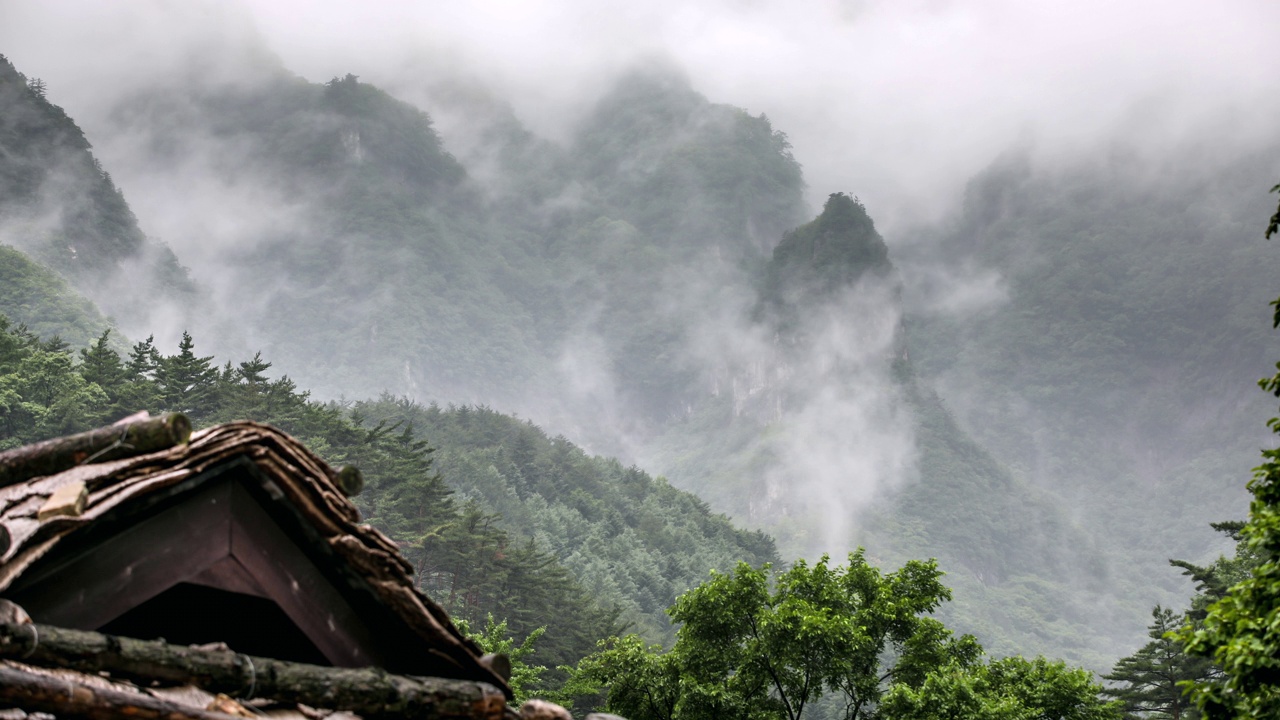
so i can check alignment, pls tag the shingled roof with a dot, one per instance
(51, 522)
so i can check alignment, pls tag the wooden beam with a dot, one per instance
(291, 580)
(133, 436)
(95, 584)
(369, 692)
(70, 700)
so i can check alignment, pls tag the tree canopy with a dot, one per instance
(859, 643)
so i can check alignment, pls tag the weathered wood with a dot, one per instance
(126, 439)
(66, 699)
(66, 500)
(369, 692)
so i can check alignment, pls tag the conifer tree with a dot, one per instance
(143, 359)
(1149, 682)
(186, 381)
(100, 364)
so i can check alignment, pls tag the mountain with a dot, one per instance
(34, 296)
(824, 432)
(1118, 374)
(633, 541)
(60, 206)
(649, 287)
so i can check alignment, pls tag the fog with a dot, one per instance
(898, 103)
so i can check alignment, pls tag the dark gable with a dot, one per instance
(241, 536)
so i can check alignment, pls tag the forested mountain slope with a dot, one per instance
(632, 540)
(33, 295)
(1118, 374)
(58, 204)
(505, 521)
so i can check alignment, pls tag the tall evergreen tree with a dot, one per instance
(1149, 682)
(100, 364)
(186, 381)
(144, 359)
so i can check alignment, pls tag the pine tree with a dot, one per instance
(1148, 682)
(251, 371)
(100, 364)
(187, 381)
(144, 359)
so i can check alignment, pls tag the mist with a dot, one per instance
(899, 104)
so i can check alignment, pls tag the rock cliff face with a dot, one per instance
(828, 312)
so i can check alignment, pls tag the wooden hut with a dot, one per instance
(237, 564)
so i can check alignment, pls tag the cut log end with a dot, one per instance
(179, 427)
(499, 663)
(349, 480)
(136, 435)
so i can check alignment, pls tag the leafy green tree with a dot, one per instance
(496, 638)
(1215, 580)
(749, 648)
(1012, 688)
(1149, 683)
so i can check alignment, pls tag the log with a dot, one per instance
(132, 436)
(349, 480)
(369, 692)
(66, 699)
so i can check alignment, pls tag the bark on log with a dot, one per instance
(134, 437)
(66, 699)
(369, 692)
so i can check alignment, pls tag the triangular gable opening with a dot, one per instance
(247, 624)
(206, 563)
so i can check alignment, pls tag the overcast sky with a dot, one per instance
(897, 101)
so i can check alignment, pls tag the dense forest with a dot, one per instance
(581, 375)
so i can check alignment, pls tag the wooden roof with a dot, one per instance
(118, 492)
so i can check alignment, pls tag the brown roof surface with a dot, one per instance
(308, 484)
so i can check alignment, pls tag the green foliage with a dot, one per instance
(525, 677)
(36, 297)
(186, 382)
(1273, 226)
(633, 541)
(746, 649)
(1241, 631)
(1214, 581)
(463, 557)
(855, 641)
(1011, 688)
(1150, 683)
